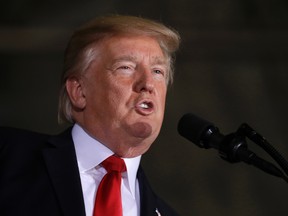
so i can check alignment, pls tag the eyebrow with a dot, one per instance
(124, 58)
(156, 60)
(160, 61)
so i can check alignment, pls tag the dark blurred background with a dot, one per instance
(231, 68)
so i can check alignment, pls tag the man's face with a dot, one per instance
(124, 91)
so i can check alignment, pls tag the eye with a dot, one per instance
(124, 67)
(159, 72)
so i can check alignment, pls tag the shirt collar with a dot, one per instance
(90, 153)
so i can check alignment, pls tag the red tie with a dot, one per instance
(108, 198)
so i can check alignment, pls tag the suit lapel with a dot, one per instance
(63, 170)
(148, 203)
(151, 204)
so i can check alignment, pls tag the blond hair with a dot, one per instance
(81, 49)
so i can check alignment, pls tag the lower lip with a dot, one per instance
(143, 111)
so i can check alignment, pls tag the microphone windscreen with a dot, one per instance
(193, 127)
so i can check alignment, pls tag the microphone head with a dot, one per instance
(194, 129)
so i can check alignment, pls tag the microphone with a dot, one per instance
(199, 131)
(232, 147)
(205, 135)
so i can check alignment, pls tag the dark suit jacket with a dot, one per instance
(39, 176)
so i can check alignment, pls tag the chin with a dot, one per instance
(133, 151)
(134, 147)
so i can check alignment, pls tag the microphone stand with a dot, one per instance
(234, 148)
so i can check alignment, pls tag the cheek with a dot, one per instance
(118, 97)
(162, 96)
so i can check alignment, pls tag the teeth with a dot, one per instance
(144, 105)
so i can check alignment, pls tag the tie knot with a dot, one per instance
(114, 163)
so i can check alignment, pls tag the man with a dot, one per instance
(114, 85)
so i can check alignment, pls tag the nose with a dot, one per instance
(144, 81)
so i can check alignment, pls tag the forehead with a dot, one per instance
(132, 47)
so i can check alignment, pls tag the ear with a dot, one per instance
(75, 91)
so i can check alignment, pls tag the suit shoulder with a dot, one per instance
(14, 137)
(14, 133)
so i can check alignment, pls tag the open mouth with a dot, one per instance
(145, 107)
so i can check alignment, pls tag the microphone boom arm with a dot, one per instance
(251, 134)
(232, 147)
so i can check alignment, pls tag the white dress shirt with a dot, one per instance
(90, 153)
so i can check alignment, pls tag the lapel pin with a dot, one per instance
(157, 212)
